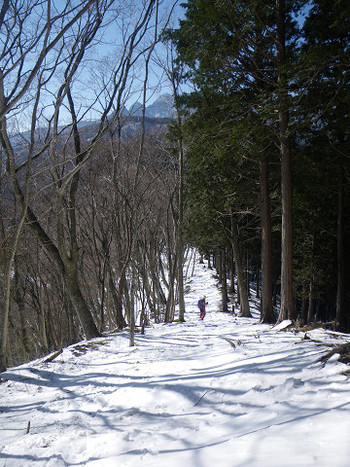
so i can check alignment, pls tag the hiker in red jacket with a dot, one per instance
(201, 305)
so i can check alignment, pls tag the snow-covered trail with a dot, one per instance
(227, 391)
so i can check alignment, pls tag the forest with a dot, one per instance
(253, 170)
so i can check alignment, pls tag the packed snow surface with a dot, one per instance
(226, 391)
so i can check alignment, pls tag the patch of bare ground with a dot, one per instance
(81, 349)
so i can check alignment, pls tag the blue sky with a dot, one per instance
(90, 83)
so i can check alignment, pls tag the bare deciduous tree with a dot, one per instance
(41, 71)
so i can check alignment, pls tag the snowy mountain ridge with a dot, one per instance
(163, 107)
(225, 391)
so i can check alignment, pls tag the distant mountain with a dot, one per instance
(163, 107)
(135, 110)
(158, 115)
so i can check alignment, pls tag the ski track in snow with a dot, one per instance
(183, 396)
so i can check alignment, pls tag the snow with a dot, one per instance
(225, 391)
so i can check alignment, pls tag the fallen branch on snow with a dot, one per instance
(53, 356)
(232, 344)
(206, 392)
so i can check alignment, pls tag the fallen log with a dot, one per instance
(53, 356)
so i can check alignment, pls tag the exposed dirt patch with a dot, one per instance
(81, 349)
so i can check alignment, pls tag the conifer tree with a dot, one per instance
(238, 57)
(324, 108)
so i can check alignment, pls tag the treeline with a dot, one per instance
(268, 151)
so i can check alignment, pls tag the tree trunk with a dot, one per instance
(304, 308)
(311, 301)
(79, 304)
(180, 242)
(121, 323)
(247, 272)
(241, 277)
(232, 289)
(170, 304)
(267, 314)
(287, 310)
(340, 304)
(180, 283)
(224, 281)
(132, 308)
(4, 318)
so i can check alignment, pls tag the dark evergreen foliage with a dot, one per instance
(230, 51)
